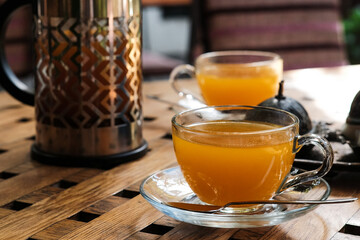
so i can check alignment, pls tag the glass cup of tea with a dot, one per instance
(242, 153)
(231, 77)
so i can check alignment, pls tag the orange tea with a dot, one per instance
(226, 167)
(242, 153)
(234, 84)
(231, 77)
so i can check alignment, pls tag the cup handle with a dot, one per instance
(312, 175)
(184, 69)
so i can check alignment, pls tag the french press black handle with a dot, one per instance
(8, 79)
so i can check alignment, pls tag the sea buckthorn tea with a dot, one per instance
(233, 77)
(227, 169)
(234, 153)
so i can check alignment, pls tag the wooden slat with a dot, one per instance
(15, 116)
(58, 207)
(18, 144)
(12, 116)
(58, 230)
(16, 132)
(8, 102)
(355, 220)
(167, 221)
(15, 156)
(143, 236)
(192, 232)
(105, 205)
(135, 186)
(158, 110)
(5, 212)
(67, 226)
(83, 175)
(28, 182)
(28, 165)
(115, 223)
(39, 195)
(344, 236)
(251, 233)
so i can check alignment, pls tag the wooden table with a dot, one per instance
(49, 202)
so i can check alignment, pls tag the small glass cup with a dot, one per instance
(232, 77)
(242, 153)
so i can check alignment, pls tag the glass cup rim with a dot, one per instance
(273, 56)
(268, 131)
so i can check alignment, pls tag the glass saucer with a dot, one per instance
(169, 185)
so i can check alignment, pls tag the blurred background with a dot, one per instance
(176, 31)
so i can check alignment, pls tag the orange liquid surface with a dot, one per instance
(221, 170)
(235, 85)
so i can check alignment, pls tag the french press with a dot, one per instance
(87, 96)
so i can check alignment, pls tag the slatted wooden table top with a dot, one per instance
(40, 201)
